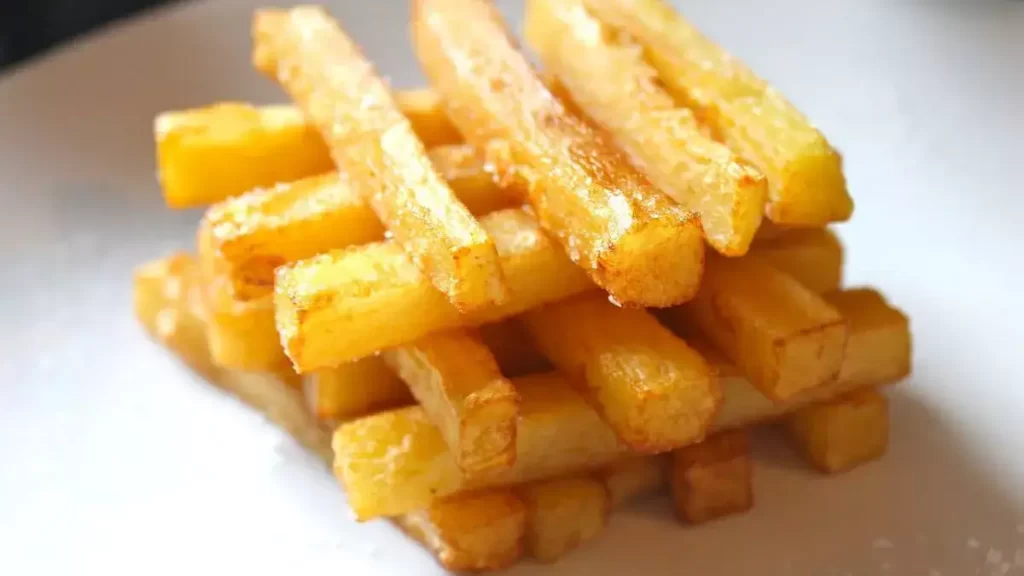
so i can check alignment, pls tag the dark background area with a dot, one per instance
(30, 27)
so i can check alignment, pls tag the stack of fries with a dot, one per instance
(503, 305)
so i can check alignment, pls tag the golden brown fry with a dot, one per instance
(617, 89)
(651, 388)
(714, 478)
(632, 240)
(370, 139)
(253, 234)
(354, 389)
(382, 300)
(397, 461)
(560, 433)
(456, 380)
(784, 337)
(634, 476)
(472, 531)
(814, 256)
(206, 155)
(879, 349)
(805, 175)
(563, 513)
(842, 433)
(512, 347)
(242, 335)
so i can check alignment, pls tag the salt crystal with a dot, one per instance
(1018, 557)
(934, 572)
(994, 556)
(886, 567)
(882, 544)
(1020, 528)
(972, 543)
(1004, 568)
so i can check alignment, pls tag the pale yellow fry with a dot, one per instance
(783, 336)
(371, 141)
(633, 240)
(652, 389)
(617, 89)
(714, 478)
(563, 513)
(255, 233)
(558, 431)
(354, 389)
(879, 349)
(814, 256)
(456, 380)
(842, 433)
(474, 531)
(398, 461)
(805, 174)
(209, 154)
(381, 300)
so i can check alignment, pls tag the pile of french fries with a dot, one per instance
(503, 305)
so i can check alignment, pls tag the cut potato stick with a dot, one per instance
(879, 349)
(348, 304)
(474, 531)
(805, 177)
(257, 232)
(784, 337)
(618, 90)
(714, 478)
(842, 433)
(655, 391)
(456, 380)
(371, 141)
(354, 389)
(633, 240)
(206, 155)
(559, 433)
(814, 256)
(563, 513)
(515, 351)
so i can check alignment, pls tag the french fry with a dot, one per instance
(397, 461)
(456, 380)
(206, 155)
(370, 139)
(805, 177)
(879, 349)
(784, 337)
(633, 240)
(842, 433)
(562, 514)
(652, 389)
(255, 233)
(474, 531)
(714, 478)
(634, 476)
(512, 347)
(618, 90)
(242, 335)
(354, 389)
(382, 300)
(814, 256)
(559, 433)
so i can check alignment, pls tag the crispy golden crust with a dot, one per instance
(652, 389)
(714, 478)
(805, 176)
(632, 240)
(370, 139)
(842, 433)
(617, 89)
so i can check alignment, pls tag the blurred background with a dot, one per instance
(28, 27)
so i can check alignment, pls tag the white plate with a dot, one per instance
(112, 456)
